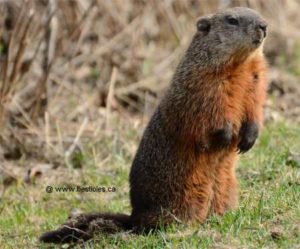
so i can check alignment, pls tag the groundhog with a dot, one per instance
(184, 168)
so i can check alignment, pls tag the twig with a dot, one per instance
(129, 28)
(76, 140)
(147, 82)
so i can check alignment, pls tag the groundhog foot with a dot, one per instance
(248, 135)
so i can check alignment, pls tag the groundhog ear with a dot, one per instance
(203, 25)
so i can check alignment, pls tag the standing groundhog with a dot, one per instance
(184, 167)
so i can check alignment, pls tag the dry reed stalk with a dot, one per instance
(50, 37)
(21, 48)
(110, 96)
(59, 136)
(142, 39)
(47, 132)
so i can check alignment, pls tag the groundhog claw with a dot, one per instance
(248, 135)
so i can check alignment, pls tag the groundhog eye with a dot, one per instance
(232, 21)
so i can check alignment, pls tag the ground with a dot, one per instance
(268, 215)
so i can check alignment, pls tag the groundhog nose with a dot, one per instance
(263, 27)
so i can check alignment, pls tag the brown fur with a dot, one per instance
(185, 165)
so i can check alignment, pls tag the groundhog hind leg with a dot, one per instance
(226, 186)
(146, 221)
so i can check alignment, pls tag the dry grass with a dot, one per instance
(67, 65)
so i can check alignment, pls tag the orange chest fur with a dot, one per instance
(241, 88)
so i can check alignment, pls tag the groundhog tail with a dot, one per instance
(84, 226)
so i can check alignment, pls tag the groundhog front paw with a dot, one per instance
(248, 135)
(222, 138)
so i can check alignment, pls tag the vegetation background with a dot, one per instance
(79, 80)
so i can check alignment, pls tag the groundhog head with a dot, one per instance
(235, 32)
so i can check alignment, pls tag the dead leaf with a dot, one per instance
(37, 171)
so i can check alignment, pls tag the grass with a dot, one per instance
(268, 215)
(143, 42)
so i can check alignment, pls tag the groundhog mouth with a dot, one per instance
(257, 41)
